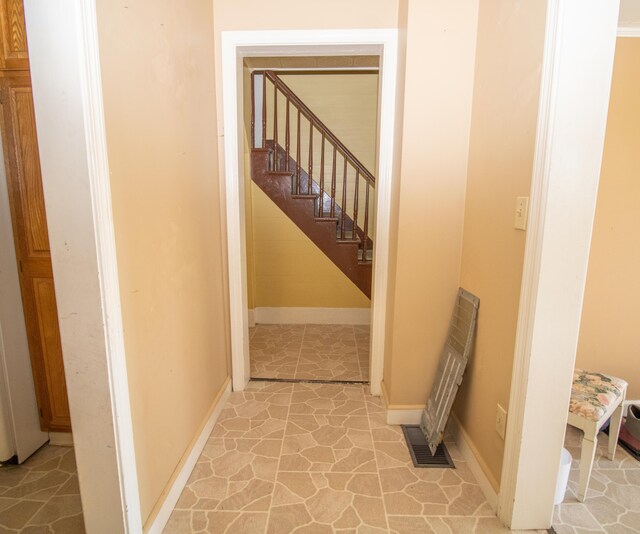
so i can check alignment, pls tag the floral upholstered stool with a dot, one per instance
(594, 399)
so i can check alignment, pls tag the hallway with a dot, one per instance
(320, 458)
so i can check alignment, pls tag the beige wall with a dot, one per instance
(248, 15)
(505, 106)
(284, 267)
(158, 83)
(348, 106)
(440, 50)
(609, 341)
(312, 14)
(289, 270)
(629, 13)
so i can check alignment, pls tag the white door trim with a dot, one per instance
(67, 89)
(574, 100)
(235, 45)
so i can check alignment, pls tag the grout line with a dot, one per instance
(275, 482)
(304, 333)
(58, 488)
(375, 459)
(353, 331)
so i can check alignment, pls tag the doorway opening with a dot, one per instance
(310, 146)
(605, 472)
(236, 46)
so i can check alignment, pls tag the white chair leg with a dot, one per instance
(614, 430)
(589, 444)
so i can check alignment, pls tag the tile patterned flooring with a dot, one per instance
(319, 458)
(310, 352)
(41, 496)
(613, 499)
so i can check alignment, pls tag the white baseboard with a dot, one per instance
(629, 31)
(467, 451)
(252, 318)
(403, 416)
(358, 316)
(406, 414)
(61, 439)
(189, 462)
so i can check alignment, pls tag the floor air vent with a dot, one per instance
(419, 449)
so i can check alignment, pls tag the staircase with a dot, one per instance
(313, 178)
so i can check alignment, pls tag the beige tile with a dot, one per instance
(254, 414)
(612, 496)
(285, 519)
(321, 366)
(409, 525)
(48, 481)
(43, 455)
(231, 475)
(42, 495)
(57, 508)
(321, 458)
(17, 515)
(11, 476)
(327, 443)
(343, 501)
(327, 399)
(269, 387)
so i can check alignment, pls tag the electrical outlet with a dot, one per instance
(501, 421)
(522, 212)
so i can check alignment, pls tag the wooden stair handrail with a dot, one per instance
(313, 118)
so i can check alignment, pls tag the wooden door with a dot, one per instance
(29, 219)
(13, 36)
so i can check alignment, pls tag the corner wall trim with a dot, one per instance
(355, 316)
(487, 485)
(189, 460)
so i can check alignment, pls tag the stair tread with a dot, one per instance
(279, 173)
(282, 184)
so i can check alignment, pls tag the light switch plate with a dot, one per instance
(501, 421)
(522, 213)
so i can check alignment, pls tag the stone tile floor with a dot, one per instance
(41, 496)
(613, 498)
(310, 352)
(319, 458)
